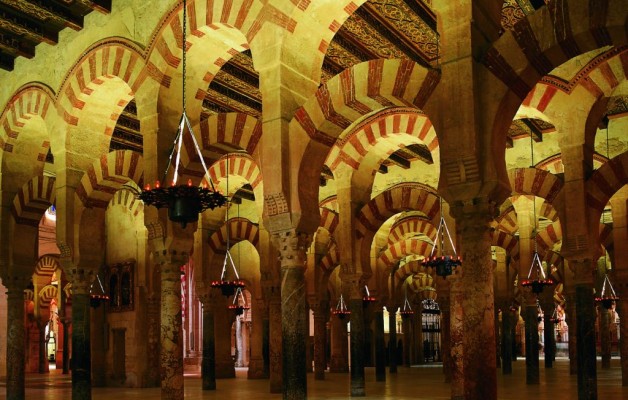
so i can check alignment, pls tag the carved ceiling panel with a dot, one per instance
(26, 23)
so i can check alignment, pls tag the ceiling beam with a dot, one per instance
(399, 160)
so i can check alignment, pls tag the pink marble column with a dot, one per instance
(81, 337)
(445, 334)
(171, 333)
(15, 337)
(480, 372)
(208, 362)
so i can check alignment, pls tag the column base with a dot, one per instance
(256, 369)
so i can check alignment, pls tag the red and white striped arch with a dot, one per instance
(599, 77)
(389, 257)
(352, 148)
(128, 200)
(519, 58)
(330, 202)
(508, 242)
(241, 165)
(548, 237)
(329, 220)
(33, 199)
(46, 295)
(406, 227)
(507, 221)
(46, 266)
(117, 58)
(361, 90)
(331, 259)
(235, 129)
(407, 196)
(239, 229)
(536, 182)
(607, 180)
(33, 100)
(408, 269)
(107, 175)
(205, 19)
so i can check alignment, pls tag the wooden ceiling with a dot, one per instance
(26, 23)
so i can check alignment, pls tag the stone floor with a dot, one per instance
(425, 382)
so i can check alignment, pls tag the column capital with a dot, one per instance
(474, 214)
(292, 246)
(583, 271)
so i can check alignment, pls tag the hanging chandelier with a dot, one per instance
(607, 299)
(236, 306)
(368, 299)
(555, 318)
(539, 280)
(97, 294)
(341, 310)
(183, 201)
(443, 264)
(229, 287)
(406, 311)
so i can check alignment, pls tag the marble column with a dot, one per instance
(81, 343)
(380, 346)
(293, 325)
(406, 328)
(605, 336)
(15, 337)
(456, 335)
(321, 315)
(66, 347)
(153, 375)
(208, 363)
(275, 344)
(498, 344)
(171, 333)
(570, 317)
(392, 338)
(532, 343)
(239, 342)
(256, 363)
(548, 327)
(43, 360)
(266, 344)
(445, 336)
(622, 310)
(339, 360)
(357, 346)
(585, 329)
(225, 368)
(480, 373)
(508, 318)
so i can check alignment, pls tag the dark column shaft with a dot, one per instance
(605, 336)
(293, 327)
(392, 340)
(532, 345)
(208, 364)
(15, 342)
(81, 346)
(622, 309)
(357, 348)
(507, 339)
(380, 348)
(587, 373)
(548, 337)
(320, 343)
